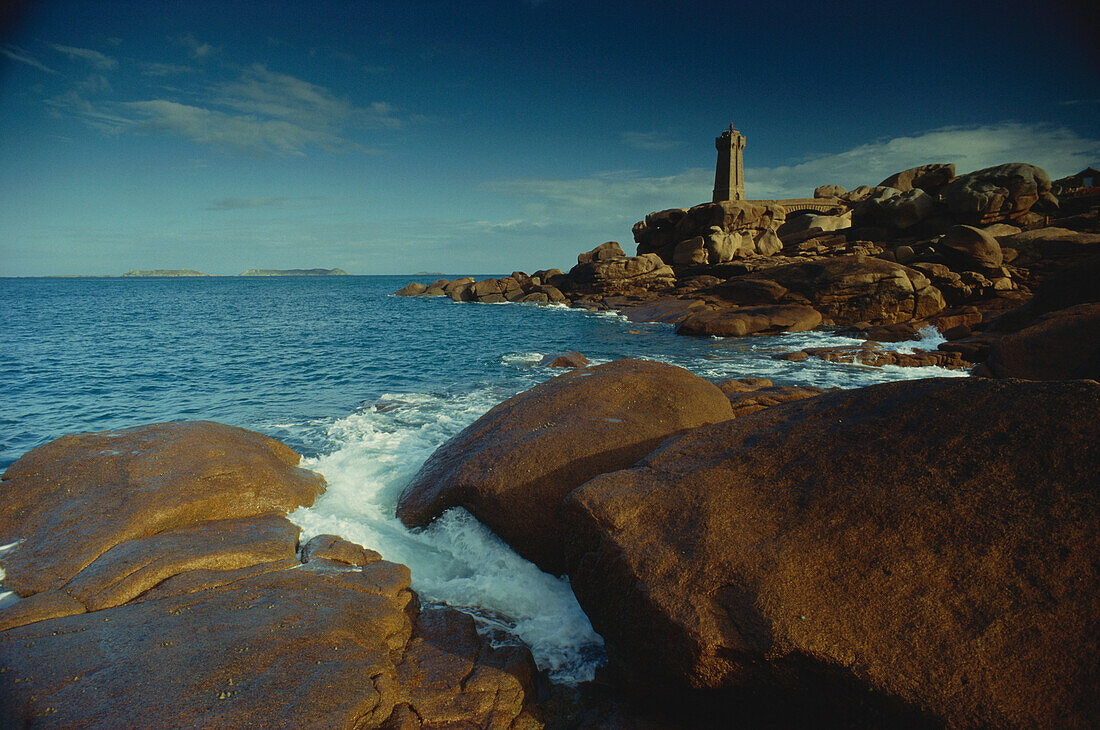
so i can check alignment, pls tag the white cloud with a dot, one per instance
(97, 59)
(17, 54)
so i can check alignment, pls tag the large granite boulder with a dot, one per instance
(623, 267)
(670, 311)
(513, 466)
(162, 583)
(1061, 345)
(928, 178)
(829, 191)
(412, 289)
(730, 215)
(1047, 250)
(894, 209)
(616, 275)
(742, 321)
(1004, 192)
(847, 289)
(1076, 284)
(868, 537)
(75, 498)
(806, 222)
(970, 249)
(728, 229)
(609, 250)
(322, 645)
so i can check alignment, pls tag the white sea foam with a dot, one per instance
(755, 357)
(930, 339)
(456, 560)
(521, 359)
(7, 598)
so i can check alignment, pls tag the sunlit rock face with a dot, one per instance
(513, 466)
(870, 537)
(160, 578)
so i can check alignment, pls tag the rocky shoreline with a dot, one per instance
(911, 554)
(967, 255)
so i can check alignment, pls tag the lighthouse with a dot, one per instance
(729, 175)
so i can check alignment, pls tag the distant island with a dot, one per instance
(295, 272)
(428, 273)
(164, 272)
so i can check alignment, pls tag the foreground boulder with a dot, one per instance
(870, 536)
(161, 582)
(326, 645)
(513, 466)
(75, 498)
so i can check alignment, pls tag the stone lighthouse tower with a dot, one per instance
(729, 176)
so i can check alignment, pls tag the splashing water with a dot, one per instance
(456, 560)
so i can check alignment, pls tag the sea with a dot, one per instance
(365, 385)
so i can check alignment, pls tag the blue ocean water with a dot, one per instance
(364, 384)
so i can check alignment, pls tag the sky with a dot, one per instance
(394, 137)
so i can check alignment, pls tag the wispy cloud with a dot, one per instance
(1078, 102)
(241, 132)
(97, 59)
(18, 54)
(248, 203)
(264, 93)
(650, 141)
(258, 112)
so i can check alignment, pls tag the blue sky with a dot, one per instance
(392, 137)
